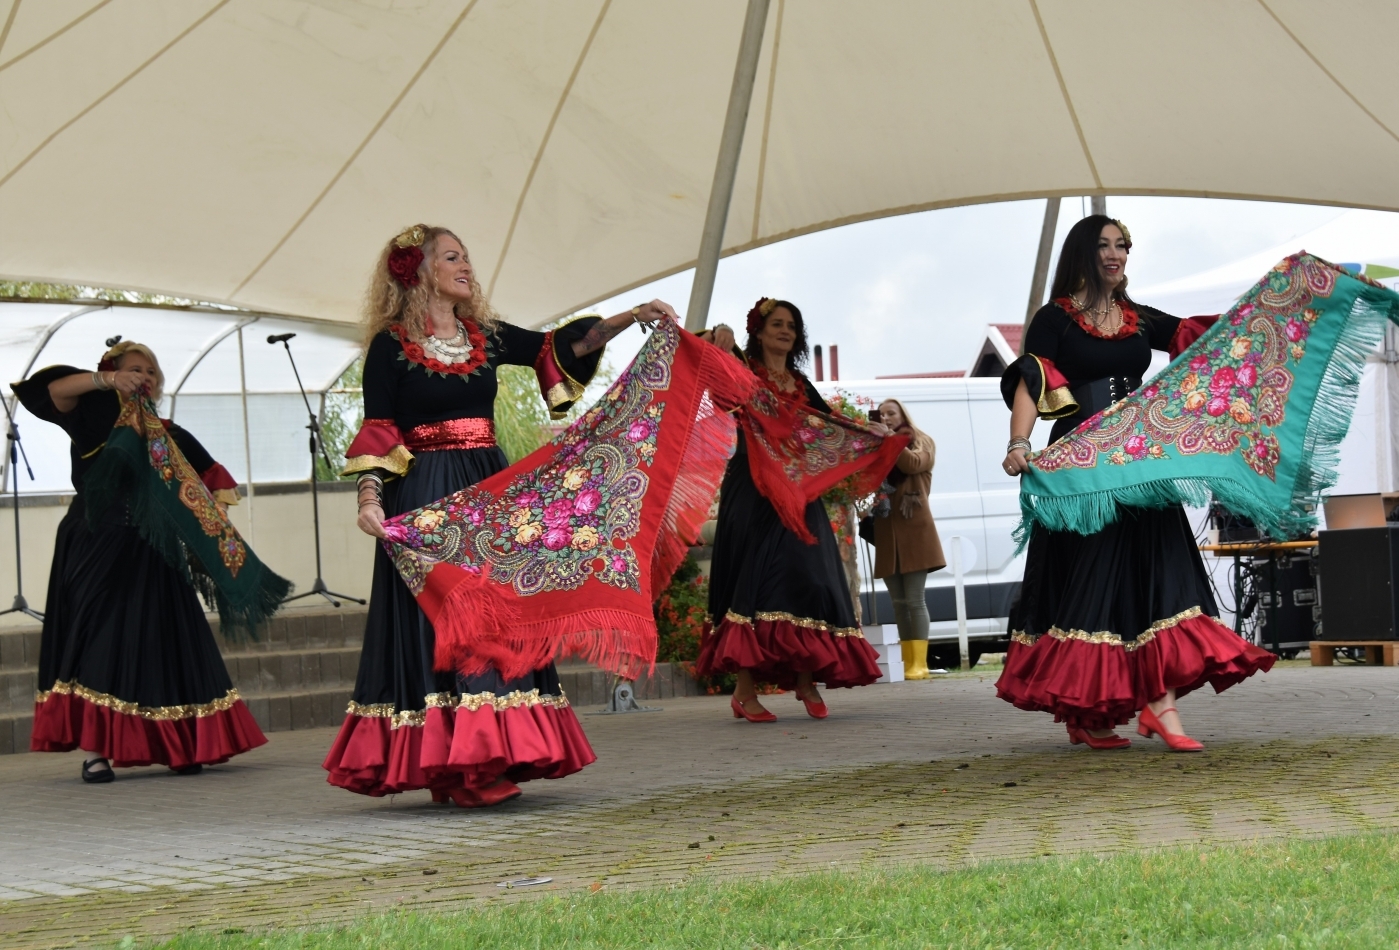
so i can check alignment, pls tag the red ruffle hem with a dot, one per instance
(70, 717)
(776, 647)
(471, 742)
(1095, 681)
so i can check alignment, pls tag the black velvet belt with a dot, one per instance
(1093, 397)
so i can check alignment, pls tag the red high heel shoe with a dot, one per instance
(1148, 724)
(501, 790)
(741, 713)
(461, 797)
(1079, 736)
(815, 708)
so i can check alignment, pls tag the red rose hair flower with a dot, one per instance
(404, 263)
(759, 313)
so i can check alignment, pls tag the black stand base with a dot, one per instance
(319, 588)
(21, 606)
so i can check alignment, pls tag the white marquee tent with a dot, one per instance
(259, 152)
(223, 381)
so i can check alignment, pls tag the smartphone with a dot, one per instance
(874, 416)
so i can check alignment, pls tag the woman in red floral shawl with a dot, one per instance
(1121, 622)
(433, 346)
(779, 602)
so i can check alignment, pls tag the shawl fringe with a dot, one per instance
(1329, 418)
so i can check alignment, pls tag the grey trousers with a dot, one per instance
(910, 607)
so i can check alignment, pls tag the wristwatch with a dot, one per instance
(636, 313)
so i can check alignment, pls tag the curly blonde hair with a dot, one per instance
(114, 355)
(389, 302)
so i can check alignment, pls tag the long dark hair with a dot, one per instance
(1078, 261)
(796, 357)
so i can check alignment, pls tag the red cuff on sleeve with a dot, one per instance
(1053, 379)
(216, 477)
(1189, 330)
(375, 437)
(558, 388)
(378, 445)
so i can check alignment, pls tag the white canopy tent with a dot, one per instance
(259, 152)
(223, 381)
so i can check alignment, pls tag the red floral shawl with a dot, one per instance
(564, 552)
(796, 453)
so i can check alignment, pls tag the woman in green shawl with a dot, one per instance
(1120, 622)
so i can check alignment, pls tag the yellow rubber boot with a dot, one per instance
(915, 654)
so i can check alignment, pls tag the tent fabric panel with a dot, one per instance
(253, 152)
(1248, 91)
(456, 152)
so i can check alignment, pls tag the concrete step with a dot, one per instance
(14, 730)
(299, 709)
(291, 670)
(297, 675)
(17, 690)
(297, 630)
(19, 648)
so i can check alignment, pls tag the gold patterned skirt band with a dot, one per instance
(452, 434)
(154, 713)
(470, 702)
(1106, 638)
(809, 623)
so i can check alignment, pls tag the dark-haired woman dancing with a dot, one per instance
(780, 608)
(1122, 621)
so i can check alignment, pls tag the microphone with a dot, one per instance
(280, 337)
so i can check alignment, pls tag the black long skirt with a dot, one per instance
(410, 726)
(128, 665)
(777, 605)
(1108, 622)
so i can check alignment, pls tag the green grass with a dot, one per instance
(1338, 892)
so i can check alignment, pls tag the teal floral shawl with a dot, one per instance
(1252, 414)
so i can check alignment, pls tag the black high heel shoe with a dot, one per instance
(100, 776)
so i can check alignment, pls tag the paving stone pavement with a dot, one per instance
(938, 772)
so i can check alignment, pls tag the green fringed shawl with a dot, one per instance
(1252, 414)
(140, 465)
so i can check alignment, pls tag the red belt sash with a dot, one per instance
(452, 434)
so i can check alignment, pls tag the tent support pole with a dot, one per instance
(1041, 277)
(1100, 204)
(726, 168)
(247, 439)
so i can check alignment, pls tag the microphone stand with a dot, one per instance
(20, 605)
(314, 443)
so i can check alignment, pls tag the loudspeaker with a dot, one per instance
(1297, 611)
(1360, 583)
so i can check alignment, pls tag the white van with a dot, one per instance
(972, 500)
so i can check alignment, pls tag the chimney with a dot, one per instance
(816, 353)
(835, 364)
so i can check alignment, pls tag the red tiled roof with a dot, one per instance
(1012, 332)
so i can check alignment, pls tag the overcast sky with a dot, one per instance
(913, 293)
